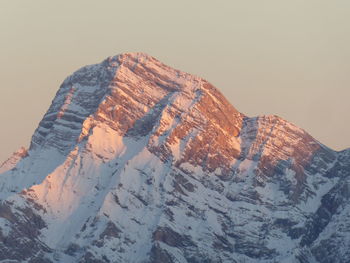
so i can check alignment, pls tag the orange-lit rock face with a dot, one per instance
(14, 159)
(136, 161)
(138, 96)
(147, 98)
(67, 102)
(277, 147)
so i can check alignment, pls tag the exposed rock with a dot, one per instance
(138, 162)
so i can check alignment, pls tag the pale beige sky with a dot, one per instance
(289, 58)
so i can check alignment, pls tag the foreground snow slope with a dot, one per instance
(137, 162)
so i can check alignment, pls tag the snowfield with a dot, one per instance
(137, 162)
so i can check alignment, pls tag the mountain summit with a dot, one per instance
(137, 162)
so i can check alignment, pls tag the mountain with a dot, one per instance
(137, 162)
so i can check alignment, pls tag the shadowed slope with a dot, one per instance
(138, 162)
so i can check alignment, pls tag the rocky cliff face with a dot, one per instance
(137, 162)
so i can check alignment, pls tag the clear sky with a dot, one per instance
(283, 57)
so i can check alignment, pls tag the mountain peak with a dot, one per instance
(138, 162)
(126, 90)
(133, 56)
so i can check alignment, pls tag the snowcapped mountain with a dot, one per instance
(138, 162)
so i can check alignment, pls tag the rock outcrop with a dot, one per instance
(138, 162)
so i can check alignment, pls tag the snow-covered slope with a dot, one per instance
(137, 162)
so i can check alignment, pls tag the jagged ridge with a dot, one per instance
(137, 162)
